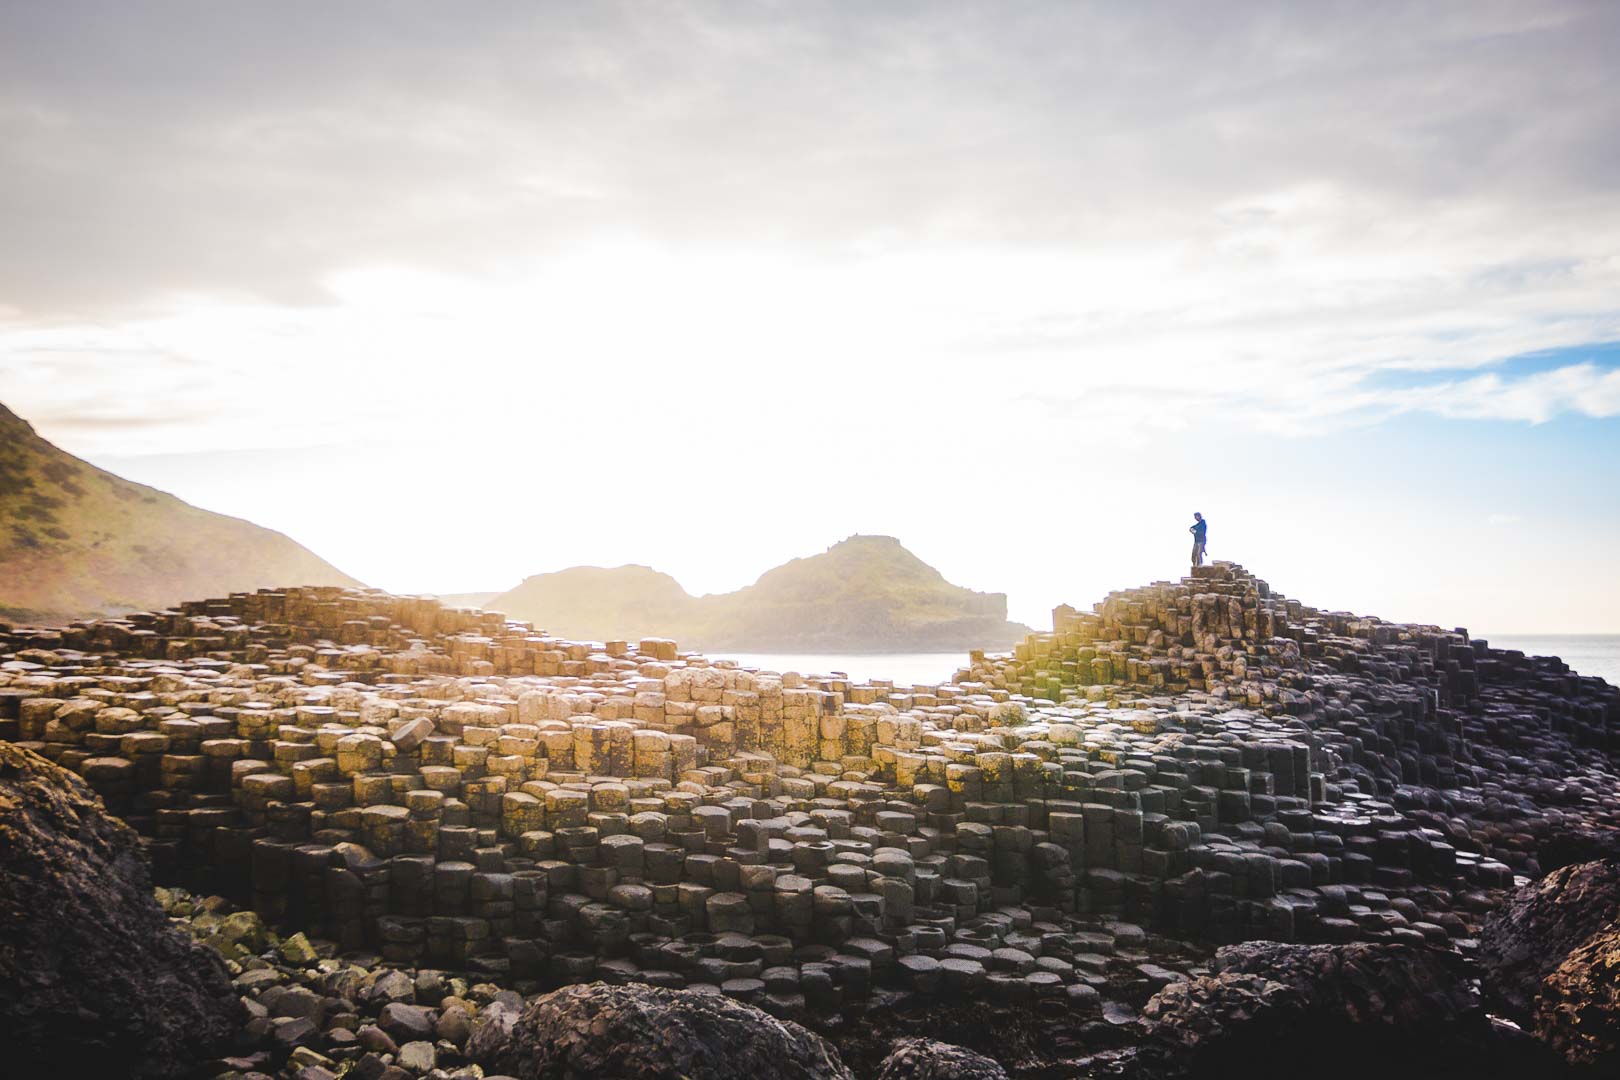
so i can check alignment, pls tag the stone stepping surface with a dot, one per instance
(1197, 762)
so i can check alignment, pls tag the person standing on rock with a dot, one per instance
(1199, 529)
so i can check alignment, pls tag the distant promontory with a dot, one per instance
(863, 594)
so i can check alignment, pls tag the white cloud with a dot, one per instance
(1583, 388)
(1097, 346)
(961, 272)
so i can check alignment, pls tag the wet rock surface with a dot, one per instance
(370, 791)
(596, 1030)
(93, 980)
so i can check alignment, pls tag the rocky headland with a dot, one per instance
(77, 541)
(863, 594)
(1201, 829)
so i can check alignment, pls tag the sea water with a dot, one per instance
(1588, 654)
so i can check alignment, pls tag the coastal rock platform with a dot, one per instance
(1063, 832)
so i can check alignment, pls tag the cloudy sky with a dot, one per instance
(454, 294)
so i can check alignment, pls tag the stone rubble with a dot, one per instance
(1190, 765)
(315, 1016)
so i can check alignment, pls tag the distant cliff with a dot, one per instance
(76, 540)
(865, 594)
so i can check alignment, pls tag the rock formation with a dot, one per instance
(1266, 1007)
(580, 1032)
(1059, 833)
(93, 980)
(1577, 1013)
(1552, 958)
(864, 594)
(1541, 924)
(76, 540)
(929, 1059)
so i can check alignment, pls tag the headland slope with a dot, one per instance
(76, 540)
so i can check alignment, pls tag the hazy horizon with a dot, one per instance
(457, 297)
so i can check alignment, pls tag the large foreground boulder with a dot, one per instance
(1578, 1011)
(94, 981)
(597, 1030)
(1314, 1010)
(1541, 924)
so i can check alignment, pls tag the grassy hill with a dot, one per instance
(865, 594)
(76, 540)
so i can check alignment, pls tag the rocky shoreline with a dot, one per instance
(413, 835)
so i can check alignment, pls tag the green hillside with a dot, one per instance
(76, 540)
(865, 594)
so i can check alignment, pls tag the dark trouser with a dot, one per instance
(1198, 553)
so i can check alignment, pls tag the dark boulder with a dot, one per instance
(492, 1031)
(1577, 1013)
(1319, 1010)
(1578, 843)
(928, 1059)
(596, 1030)
(1394, 984)
(1540, 925)
(94, 981)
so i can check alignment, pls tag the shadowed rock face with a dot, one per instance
(598, 1030)
(93, 979)
(1331, 1010)
(1578, 1012)
(1538, 927)
(1552, 957)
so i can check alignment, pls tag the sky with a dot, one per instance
(457, 294)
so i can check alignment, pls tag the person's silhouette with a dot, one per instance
(1199, 529)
